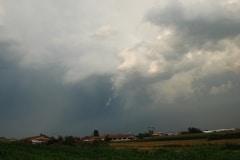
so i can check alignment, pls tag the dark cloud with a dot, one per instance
(29, 99)
(35, 100)
(216, 25)
(200, 109)
(66, 77)
(195, 24)
(185, 70)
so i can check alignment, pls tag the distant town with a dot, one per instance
(96, 137)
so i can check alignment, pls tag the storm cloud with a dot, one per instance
(188, 49)
(67, 68)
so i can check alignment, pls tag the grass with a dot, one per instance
(208, 136)
(22, 151)
(149, 145)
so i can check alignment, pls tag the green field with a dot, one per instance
(209, 136)
(23, 151)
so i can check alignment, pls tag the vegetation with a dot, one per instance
(197, 146)
(150, 131)
(224, 135)
(95, 133)
(192, 130)
(208, 136)
(18, 151)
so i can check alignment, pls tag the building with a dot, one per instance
(120, 137)
(36, 139)
(159, 134)
(219, 130)
(93, 138)
(109, 137)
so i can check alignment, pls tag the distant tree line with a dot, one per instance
(67, 140)
(150, 131)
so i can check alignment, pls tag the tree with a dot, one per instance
(60, 139)
(69, 140)
(52, 140)
(95, 133)
(151, 130)
(142, 135)
(194, 130)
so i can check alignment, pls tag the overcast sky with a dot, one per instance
(70, 67)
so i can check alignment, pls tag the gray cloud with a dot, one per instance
(198, 20)
(186, 64)
(72, 67)
(35, 101)
(190, 46)
(104, 32)
(200, 24)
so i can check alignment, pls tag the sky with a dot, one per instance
(70, 67)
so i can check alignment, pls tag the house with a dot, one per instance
(159, 134)
(92, 138)
(3, 139)
(109, 137)
(120, 137)
(36, 139)
(219, 130)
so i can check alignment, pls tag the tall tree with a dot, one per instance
(95, 133)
